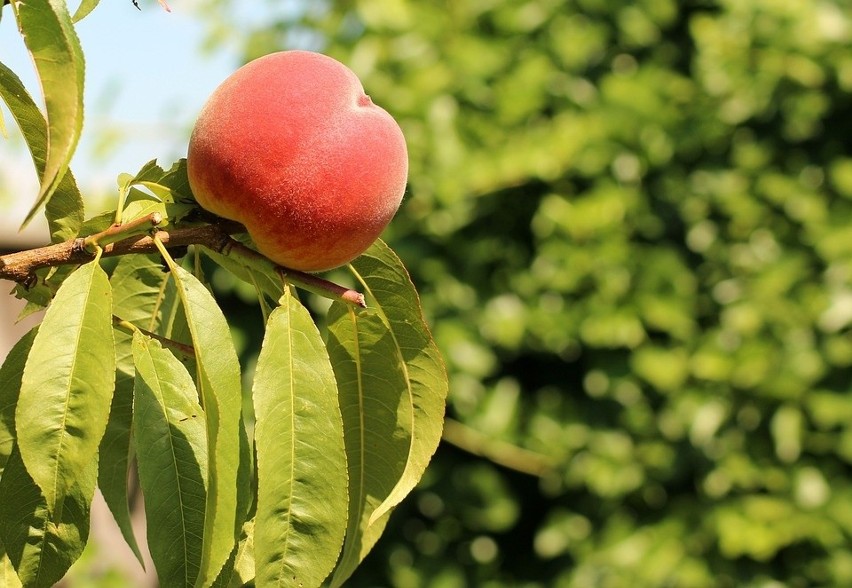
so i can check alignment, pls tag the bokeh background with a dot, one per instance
(631, 227)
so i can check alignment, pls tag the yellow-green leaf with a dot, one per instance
(301, 462)
(389, 291)
(169, 429)
(8, 575)
(221, 393)
(40, 544)
(84, 9)
(52, 41)
(67, 385)
(64, 210)
(10, 386)
(377, 420)
(137, 282)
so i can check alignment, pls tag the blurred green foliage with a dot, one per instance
(631, 224)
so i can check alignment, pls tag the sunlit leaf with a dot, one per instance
(169, 430)
(221, 394)
(64, 210)
(115, 447)
(239, 571)
(51, 40)
(139, 204)
(301, 462)
(377, 421)
(136, 282)
(137, 289)
(170, 187)
(40, 544)
(244, 569)
(67, 386)
(8, 576)
(84, 9)
(10, 385)
(390, 292)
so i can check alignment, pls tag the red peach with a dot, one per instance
(292, 147)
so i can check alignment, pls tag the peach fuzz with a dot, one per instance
(291, 146)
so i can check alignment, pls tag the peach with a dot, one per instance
(291, 146)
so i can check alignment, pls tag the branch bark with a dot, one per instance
(21, 266)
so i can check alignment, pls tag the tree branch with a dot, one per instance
(498, 451)
(21, 266)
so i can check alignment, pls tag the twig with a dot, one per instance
(20, 266)
(119, 232)
(188, 351)
(299, 279)
(500, 452)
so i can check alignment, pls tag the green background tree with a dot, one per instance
(630, 222)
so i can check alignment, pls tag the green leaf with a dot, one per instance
(8, 576)
(51, 40)
(221, 394)
(40, 544)
(64, 210)
(168, 426)
(239, 571)
(140, 203)
(377, 420)
(244, 571)
(67, 386)
(170, 187)
(136, 284)
(116, 448)
(301, 462)
(10, 385)
(84, 9)
(138, 290)
(389, 291)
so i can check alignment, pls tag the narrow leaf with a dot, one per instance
(115, 447)
(170, 187)
(389, 290)
(64, 210)
(221, 394)
(168, 426)
(41, 545)
(137, 286)
(301, 462)
(244, 572)
(136, 282)
(377, 420)
(84, 9)
(10, 385)
(239, 570)
(51, 40)
(8, 575)
(67, 386)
